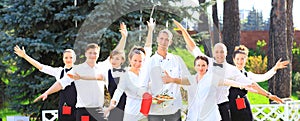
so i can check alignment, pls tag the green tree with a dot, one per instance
(46, 28)
(254, 21)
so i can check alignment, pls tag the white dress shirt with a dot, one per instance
(129, 84)
(228, 71)
(90, 93)
(172, 64)
(56, 72)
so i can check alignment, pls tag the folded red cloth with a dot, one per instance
(240, 103)
(66, 110)
(146, 103)
(85, 118)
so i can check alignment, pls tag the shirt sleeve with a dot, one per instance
(53, 71)
(261, 77)
(184, 72)
(234, 74)
(144, 75)
(197, 52)
(148, 51)
(105, 66)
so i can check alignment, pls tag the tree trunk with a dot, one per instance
(231, 29)
(280, 84)
(216, 26)
(204, 27)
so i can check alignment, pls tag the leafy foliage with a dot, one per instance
(46, 28)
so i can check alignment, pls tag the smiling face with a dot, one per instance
(68, 59)
(92, 54)
(201, 66)
(164, 39)
(116, 60)
(240, 60)
(136, 61)
(220, 53)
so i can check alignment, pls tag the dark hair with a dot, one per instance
(92, 46)
(136, 50)
(201, 58)
(240, 50)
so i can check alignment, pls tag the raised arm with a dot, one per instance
(187, 38)
(21, 53)
(122, 42)
(151, 26)
(54, 88)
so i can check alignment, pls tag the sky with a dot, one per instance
(265, 7)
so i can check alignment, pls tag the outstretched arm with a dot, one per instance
(122, 42)
(263, 77)
(21, 53)
(151, 26)
(263, 92)
(54, 88)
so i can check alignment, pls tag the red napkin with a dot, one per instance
(146, 103)
(240, 103)
(85, 118)
(66, 110)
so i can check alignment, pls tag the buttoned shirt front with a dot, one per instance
(173, 67)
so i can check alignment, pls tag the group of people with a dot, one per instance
(212, 91)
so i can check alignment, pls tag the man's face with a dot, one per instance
(219, 54)
(163, 40)
(92, 54)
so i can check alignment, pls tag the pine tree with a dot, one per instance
(46, 28)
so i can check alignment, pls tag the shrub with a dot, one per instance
(257, 64)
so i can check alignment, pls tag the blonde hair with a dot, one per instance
(242, 48)
(117, 52)
(168, 32)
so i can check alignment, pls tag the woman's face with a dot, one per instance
(68, 59)
(136, 61)
(201, 67)
(240, 60)
(116, 60)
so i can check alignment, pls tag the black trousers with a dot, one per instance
(172, 117)
(116, 115)
(225, 111)
(92, 113)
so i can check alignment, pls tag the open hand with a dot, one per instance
(43, 97)
(123, 30)
(275, 98)
(281, 64)
(20, 52)
(151, 24)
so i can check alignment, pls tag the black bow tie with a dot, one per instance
(68, 69)
(119, 70)
(216, 64)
